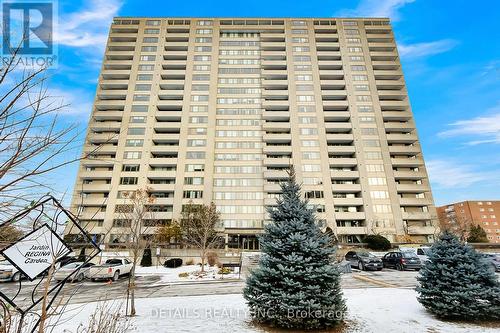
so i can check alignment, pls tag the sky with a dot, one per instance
(450, 53)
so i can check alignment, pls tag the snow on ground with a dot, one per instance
(171, 275)
(370, 310)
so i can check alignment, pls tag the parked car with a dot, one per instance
(82, 271)
(364, 260)
(111, 269)
(494, 259)
(402, 260)
(8, 272)
(423, 253)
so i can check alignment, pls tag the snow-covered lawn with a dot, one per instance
(171, 275)
(370, 310)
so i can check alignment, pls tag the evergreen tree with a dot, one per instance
(296, 284)
(477, 235)
(146, 258)
(457, 283)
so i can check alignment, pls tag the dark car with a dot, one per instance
(363, 260)
(402, 260)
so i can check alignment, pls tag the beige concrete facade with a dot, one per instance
(207, 109)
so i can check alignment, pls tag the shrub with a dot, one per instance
(377, 242)
(183, 275)
(190, 262)
(173, 263)
(212, 258)
(457, 283)
(224, 270)
(146, 258)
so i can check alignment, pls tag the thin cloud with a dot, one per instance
(483, 129)
(451, 174)
(87, 27)
(419, 50)
(376, 8)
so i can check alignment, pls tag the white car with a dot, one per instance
(82, 271)
(8, 272)
(111, 269)
(423, 253)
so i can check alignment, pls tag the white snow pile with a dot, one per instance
(370, 310)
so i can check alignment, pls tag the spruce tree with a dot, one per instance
(457, 283)
(296, 284)
(146, 258)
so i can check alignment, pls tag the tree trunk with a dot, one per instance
(203, 261)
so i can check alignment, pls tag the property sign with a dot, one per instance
(36, 252)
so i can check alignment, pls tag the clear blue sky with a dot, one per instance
(450, 54)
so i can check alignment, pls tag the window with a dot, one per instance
(307, 120)
(197, 131)
(199, 98)
(299, 32)
(193, 180)
(300, 40)
(379, 194)
(153, 22)
(373, 155)
(300, 49)
(150, 40)
(201, 77)
(301, 58)
(365, 108)
(141, 97)
(305, 108)
(309, 131)
(201, 67)
(203, 48)
(148, 49)
(144, 77)
(142, 87)
(371, 143)
(130, 167)
(205, 22)
(309, 143)
(302, 68)
(192, 194)
(151, 31)
(137, 119)
(358, 68)
(202, 58)
(382, 208)
(374, 168)
(366, 119)
(136, 131)
(355, 49)
(305, 98)
(132, 155)
(128, 181)
(351, 32)
(198, 120)
(146, 68)
(353, 40)
(199, 108)
(363, 98)
(360, 78)
(199, 87)
(139, 108)
(148, 57)
(195, 155)
(310, 155)
(203, 40)
(361, 87)
(134, 143)
(314, 194)
(356, 58)
(204, 31)
(195, 167)
(311, 168)
(196, 143)
(303, 77)
(377, 181)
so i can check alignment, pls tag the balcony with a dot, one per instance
(159, 174)
(346, 188)
(335, 105)
(278, 162)
(278, 137)
(96, 174)
(342, 162)
(416, 215)
(351, 230)
(336, 174)
(412, 188)
(399, 127)
(410, 150)
(407, 162)
(338, 127)
(339, 138)
(281, 116)
(275, 174)
(401, 138)
(394, 105)
(348, 201)
(272, 188)
(415, 201)
(409, 175)
(421, 230)
(342, 150)
(277, 150)
(396, 115)
(345, 216)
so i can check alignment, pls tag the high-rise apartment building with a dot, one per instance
(460, 216)
(217, 109)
